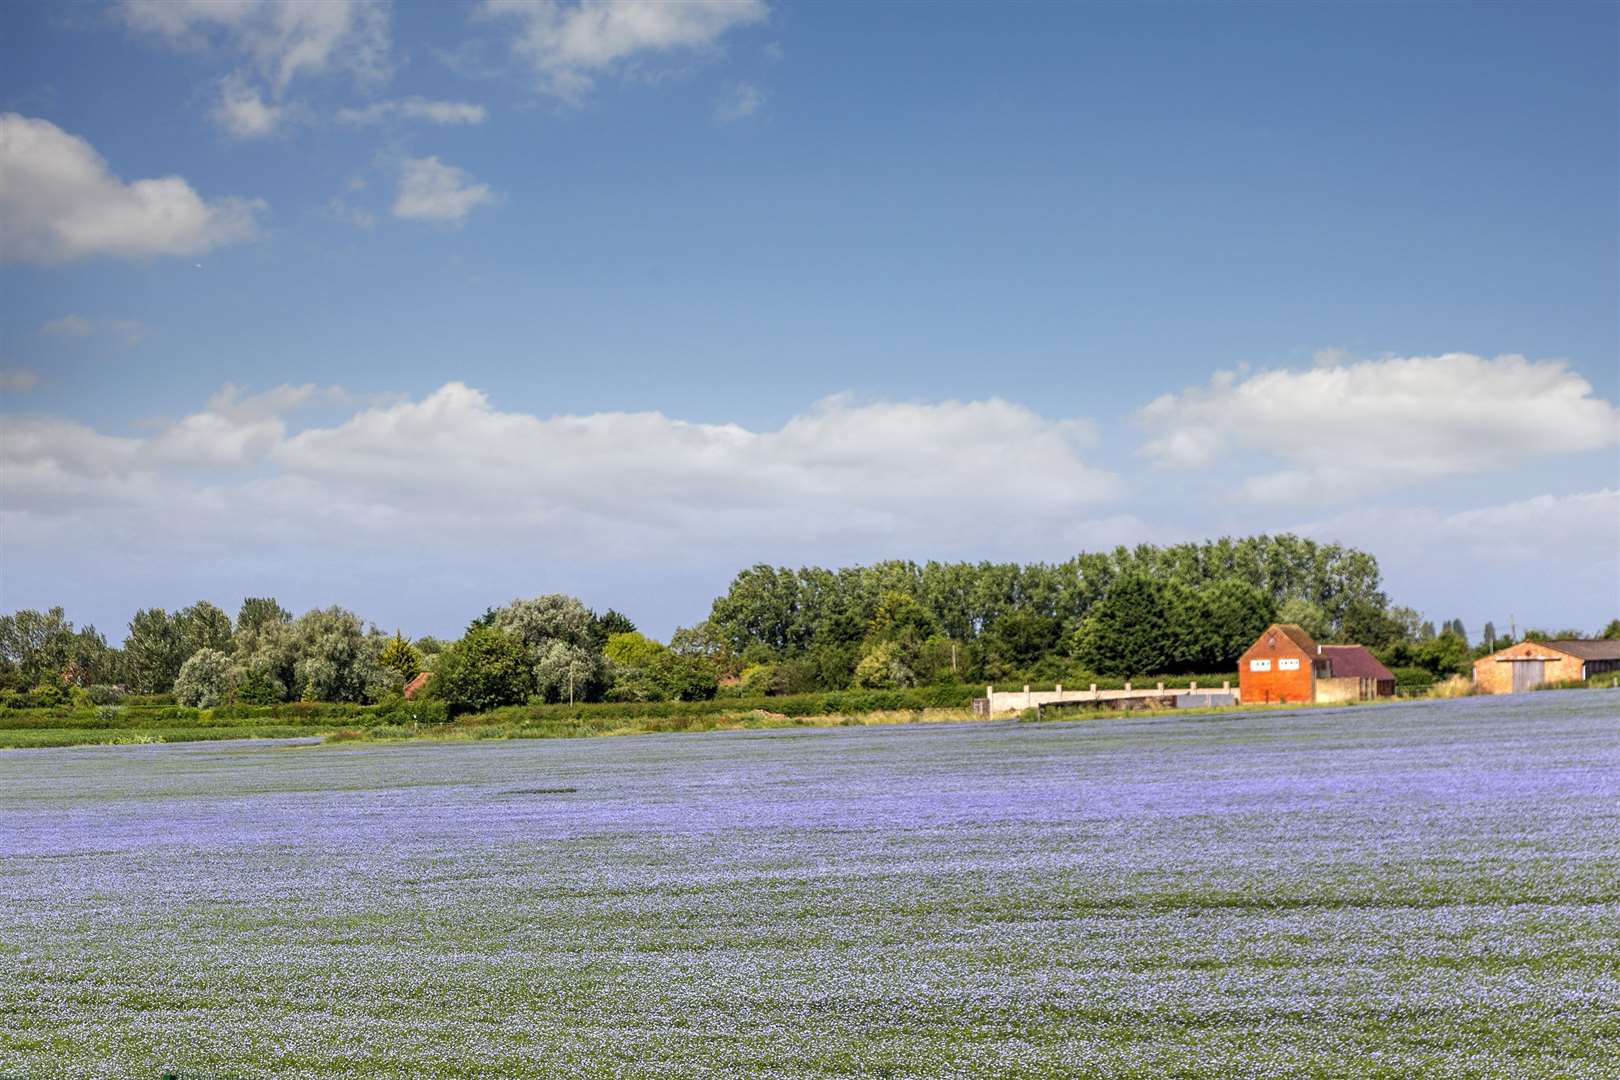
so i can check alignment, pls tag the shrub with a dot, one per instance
(48, 695)
(402, 713)
(1412, 680)
(102, 694)
(205, 679)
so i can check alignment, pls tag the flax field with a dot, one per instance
(1421, 889)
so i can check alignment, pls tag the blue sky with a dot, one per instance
(804, 282)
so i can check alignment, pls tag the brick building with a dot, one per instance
(1282, 665)
(1286, 665)
(1530, 663)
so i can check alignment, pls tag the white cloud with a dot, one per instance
(430, 190)
(638, 484)
(60, 202)
(1345, 428)
(243, 112)
(280, 41)
(68, 326)
(1548, 559)
(17, 381)
(569, 44)
(742, 101)
(415, 108)
(127, 332)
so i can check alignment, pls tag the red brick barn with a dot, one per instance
(1282, 665)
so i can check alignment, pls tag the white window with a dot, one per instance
(1259, 665)
(1288, 663)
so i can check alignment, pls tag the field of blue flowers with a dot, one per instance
(1423, 889)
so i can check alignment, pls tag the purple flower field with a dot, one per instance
(1423, 889)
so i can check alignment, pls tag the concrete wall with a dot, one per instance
(1346, 688)
(1494, 676)
(1004, 701)
(1205, 699)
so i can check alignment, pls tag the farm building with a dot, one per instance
(1530, 663)
(1354, 674)
(1280, 666)
(1286, 665)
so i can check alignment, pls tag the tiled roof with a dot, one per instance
(1355, 662)
(1296, 633)
(414, 687)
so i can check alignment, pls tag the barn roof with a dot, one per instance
(1296, 633)
(414, 687)
(1355, 662)
(1586, 650)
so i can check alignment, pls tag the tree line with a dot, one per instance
(1179, 609)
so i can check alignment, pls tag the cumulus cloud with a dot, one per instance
(60, 202)
(415, 108)
(640, 484)
(430, 190)
(1345, 428)
(274, 43)
(17, 381)
(1549, 559)
(570, 44)
(244, 113)
(743, 101)
(279, 41)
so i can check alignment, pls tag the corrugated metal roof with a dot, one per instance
(1586, 650)
(1355, 662)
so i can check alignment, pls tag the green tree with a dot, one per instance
(685, 678)
(336, 659)
(203, 626)
(1237, 614)
(154, 649)
(36, 645)
(1305, 615)
(1612, 631)
(557, 633)
(1127, 632)
(564, 671)
(400, 657)
(205, 680)
(258, 612)
(1024, 637)
(486, 669)
(632, 650)
(883, 668)
(607, 624)
(323, 655)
